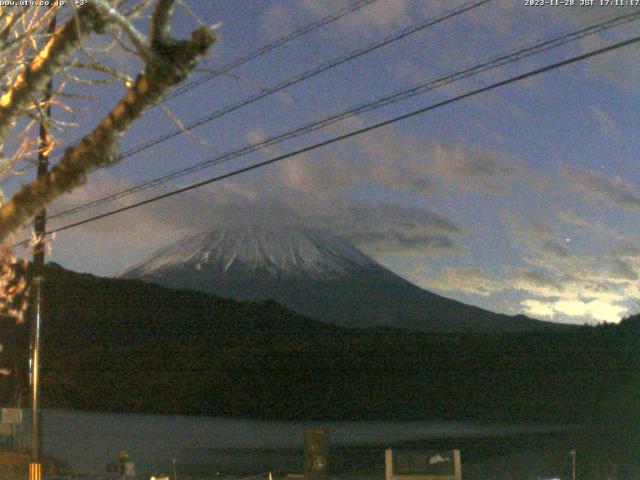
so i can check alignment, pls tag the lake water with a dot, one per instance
(86, 442)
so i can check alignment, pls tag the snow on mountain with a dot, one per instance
(288, 253)
(316, 274)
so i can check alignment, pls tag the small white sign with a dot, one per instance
(12, 415)
(422, 465)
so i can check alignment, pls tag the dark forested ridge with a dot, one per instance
(124, 345)
(127, 346)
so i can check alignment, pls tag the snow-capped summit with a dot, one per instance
(317, 274)
(279, 252)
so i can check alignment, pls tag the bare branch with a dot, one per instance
(27, 33)
(34, 77)
(194, 15)
(161, 23)
(11, 18)
(114, 74)
(138, 9)
(137, 38)
(125, 47)
(99, 148)
(176, 119)
(109, 47)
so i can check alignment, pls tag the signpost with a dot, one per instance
(37, 275)
(11, 420)
(316, 454)
(423, 465)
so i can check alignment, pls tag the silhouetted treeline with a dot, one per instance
(127, 346)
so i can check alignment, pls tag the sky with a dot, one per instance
(524, 199)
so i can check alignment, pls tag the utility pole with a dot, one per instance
(573, 457)
(37, 275)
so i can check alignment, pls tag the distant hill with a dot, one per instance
(128, 346)
(318, 275)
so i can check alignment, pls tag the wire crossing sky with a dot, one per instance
(386, 100)
(323, 67)
(264, 49)
(522, 199)
(346, 136)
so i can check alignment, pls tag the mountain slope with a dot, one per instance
(129, 346)
(318, 275)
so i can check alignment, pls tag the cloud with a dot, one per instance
(480, 170)
(605, 123)
(413, 73)
(381, 17)
(586, 276)
(468, 279)
(590, 274)
(496, 18)
(108, 245)
(377, 229)
(619, 68)
(574, 293)
(538, 309)
(626, 249)
(384, 158)
(595, 185)
(608, 128)
(539, 293)
(397, 161)
(555, 248)
(537, 282)
(566, 281)
(321, 190)
(595, 226)
(595, 309)
(395, 229)
(594, 290)
(276, 20)
(621, 270)
(542, 239)
(332, 190)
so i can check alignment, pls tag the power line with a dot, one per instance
(354, 133)
(270, 46)
(233, 64)
(493, 63)
(323, 67)
(299, 78)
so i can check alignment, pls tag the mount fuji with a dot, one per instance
(318, 275)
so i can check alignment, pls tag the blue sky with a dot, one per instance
(525, 199)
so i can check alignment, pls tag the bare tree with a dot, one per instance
(30, 57)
